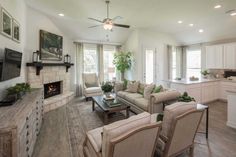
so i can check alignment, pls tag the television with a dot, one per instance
(10, 65)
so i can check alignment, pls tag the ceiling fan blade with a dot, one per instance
(94, 26)
(121, 25)
(95, 20)
(117, 18)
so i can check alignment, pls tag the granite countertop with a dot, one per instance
(187, 81)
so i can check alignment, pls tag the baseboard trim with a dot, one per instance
(231, 124)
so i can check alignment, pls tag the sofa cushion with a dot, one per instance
(122, 94)
(118, 128)
(142, 103)
(141, 88)
(131, 97)
(173, 111)
(148, 91)
(93, 90)
(91, 84)
(95, 138)
(132, 87)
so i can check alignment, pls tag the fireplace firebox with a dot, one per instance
(52, 89)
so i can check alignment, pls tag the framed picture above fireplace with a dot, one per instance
(51, 46)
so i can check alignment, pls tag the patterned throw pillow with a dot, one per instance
(132, 87)
(141, 88)
(148, 91)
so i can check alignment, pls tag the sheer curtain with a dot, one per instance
(79, 68)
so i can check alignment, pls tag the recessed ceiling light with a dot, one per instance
(191, 25)
(61, 14)
(217, 6)
(200, 30)
(180, 22)
(233, 14)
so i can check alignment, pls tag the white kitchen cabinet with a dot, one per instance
(214, 57)
(230, 56)
(210, 59)
(225, 86)
(193, 90)
(210, 91)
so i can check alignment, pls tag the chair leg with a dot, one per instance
(191, 151)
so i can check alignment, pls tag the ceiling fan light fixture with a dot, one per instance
(107, 26)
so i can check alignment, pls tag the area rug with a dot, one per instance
(81, 119)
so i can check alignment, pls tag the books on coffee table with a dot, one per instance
(112, 103)
(108, 98)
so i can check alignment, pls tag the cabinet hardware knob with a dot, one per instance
(27, 134)
(27, 126)
(27, 149)
(27, 141)
(27, 118)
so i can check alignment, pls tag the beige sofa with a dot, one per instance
(154, 104)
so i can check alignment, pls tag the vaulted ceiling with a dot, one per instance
(157, 15)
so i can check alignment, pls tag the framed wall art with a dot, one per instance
(16, 31)
(6, 23)
(50, 46)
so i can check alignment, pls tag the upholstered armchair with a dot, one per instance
(133, 137)
(179, 127)
(91, 85)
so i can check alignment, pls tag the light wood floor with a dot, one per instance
(221, 141)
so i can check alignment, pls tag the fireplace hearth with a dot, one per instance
(52, 89)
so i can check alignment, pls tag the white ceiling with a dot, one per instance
(158, 15)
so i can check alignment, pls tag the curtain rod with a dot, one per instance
(96, 42)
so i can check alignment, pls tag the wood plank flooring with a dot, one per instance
(54, 142)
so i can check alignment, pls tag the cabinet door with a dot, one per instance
(214, 57)
(219, 56)
(210, 57)
(230, 56)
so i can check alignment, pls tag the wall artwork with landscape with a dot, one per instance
(50, 46)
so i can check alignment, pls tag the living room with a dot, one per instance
(117, 78)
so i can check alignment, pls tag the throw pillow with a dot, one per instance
(132, 87)
(160, 117)
(91, 84)
(141, 88)
(148, 91)
(158, 89)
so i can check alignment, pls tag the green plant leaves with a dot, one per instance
(122, 61)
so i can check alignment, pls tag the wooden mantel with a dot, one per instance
(39, 66)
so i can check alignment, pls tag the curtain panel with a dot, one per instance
(79, 68)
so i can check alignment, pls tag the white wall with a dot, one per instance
(17, 10)
(143, 38)
(31, 21)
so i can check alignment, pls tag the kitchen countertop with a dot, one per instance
(188, 82)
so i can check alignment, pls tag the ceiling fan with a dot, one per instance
(107, 22)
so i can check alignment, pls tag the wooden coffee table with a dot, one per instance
(108, 110)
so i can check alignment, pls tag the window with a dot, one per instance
(90, 59)
(173, 65)
(193, 63)
(109, 67)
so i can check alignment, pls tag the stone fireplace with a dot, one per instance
(56, 84)
(52, 89)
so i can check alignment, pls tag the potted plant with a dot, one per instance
(107, 88)
(205, 73)
(185, 98)
(19, 89)
(122, 61)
